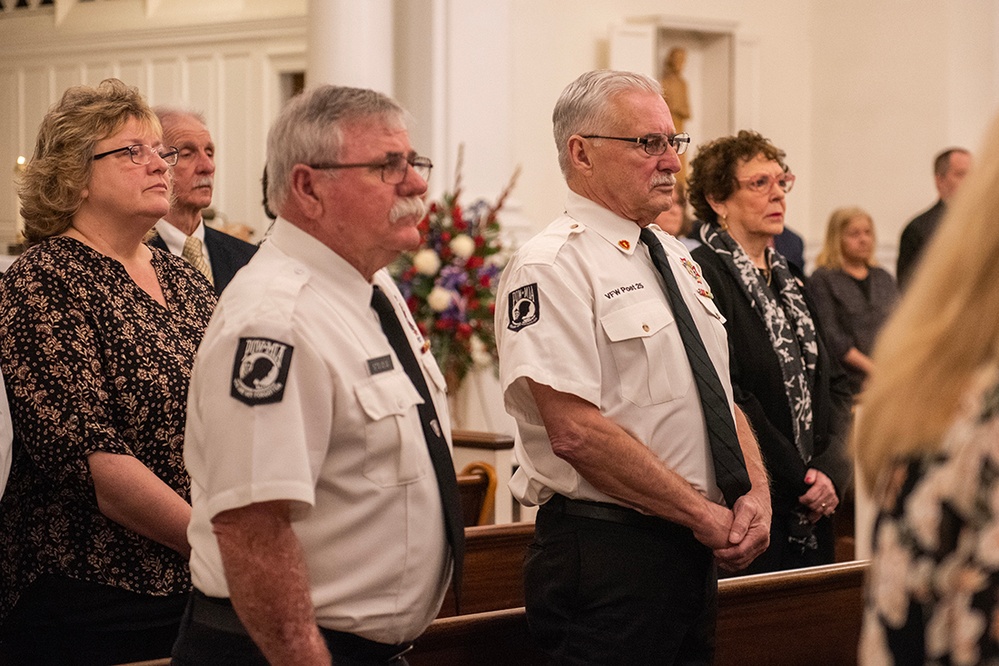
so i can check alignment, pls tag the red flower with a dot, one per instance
(463, 332)
(474, 262)
(485, 281)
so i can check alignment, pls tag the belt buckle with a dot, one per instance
(398, 655)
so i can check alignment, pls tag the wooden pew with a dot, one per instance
(808, 616)
(494, 568)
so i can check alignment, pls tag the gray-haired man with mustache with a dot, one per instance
(325, 518)
(183, 232)
(593, 321)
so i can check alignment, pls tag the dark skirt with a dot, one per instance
(64, 621)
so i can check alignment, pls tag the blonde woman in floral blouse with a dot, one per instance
(97, 339)
(927, 441)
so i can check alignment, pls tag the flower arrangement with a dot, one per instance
(449, 282)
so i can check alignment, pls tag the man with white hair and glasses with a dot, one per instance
(614, 362)
(325, 516)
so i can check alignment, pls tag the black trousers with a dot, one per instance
(63, 621)
(211, 634)
(619, 588)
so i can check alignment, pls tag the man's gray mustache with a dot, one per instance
(406, 207)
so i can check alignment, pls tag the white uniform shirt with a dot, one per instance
(327, 418)
(6, 437)
(581, 308)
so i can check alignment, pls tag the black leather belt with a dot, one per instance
(610, 513)
(219, 614)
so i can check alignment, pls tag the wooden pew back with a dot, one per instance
(808, 616)
(494, 568)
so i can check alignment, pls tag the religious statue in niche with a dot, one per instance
(675, 94)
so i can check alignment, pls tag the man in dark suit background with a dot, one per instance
(183, 232)
(949, 169)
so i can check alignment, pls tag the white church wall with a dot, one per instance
(227, 69)
(884, 107)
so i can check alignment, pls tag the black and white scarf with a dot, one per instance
(788, 322)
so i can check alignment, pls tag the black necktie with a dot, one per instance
(440, 454)
(730, 466)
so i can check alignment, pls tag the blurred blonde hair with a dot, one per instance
(831, 254)
(943, 333)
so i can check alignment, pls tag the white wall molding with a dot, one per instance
(36, 44)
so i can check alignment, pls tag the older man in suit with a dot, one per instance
(183, 232)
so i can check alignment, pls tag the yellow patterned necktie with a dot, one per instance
(192, 252)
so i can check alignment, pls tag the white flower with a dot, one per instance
(439, 299)
(462, 245)
(498, 260)
(480, 355)
(426, 262)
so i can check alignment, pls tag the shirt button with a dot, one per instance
(645, 327)
(400, 403)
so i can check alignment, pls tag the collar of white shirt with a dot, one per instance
(174, 237)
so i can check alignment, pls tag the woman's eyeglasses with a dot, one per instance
(141, 154)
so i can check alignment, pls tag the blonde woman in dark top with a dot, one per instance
(97, 339)
(852, 294)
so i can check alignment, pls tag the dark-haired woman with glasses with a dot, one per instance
(794, 395)
(97, 339)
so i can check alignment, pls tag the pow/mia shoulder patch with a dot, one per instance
(523, 307)
(260, 372)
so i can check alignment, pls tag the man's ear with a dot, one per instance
(579, 155)
(303, 191)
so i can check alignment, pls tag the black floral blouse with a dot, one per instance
(933, 586)
(92, 363)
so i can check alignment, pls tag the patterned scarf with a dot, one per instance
(788, 322)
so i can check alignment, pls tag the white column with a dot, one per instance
(351, 44)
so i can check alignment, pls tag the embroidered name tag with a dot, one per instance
(380, 364)
(260, 370)
(624, 289)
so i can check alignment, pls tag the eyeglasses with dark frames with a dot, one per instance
(654, 144)
(393, 167)
(764, 182)
(141, 154)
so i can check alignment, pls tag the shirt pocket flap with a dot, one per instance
(431, 370)
(387, 394)
(709, 305)
(640, 320)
